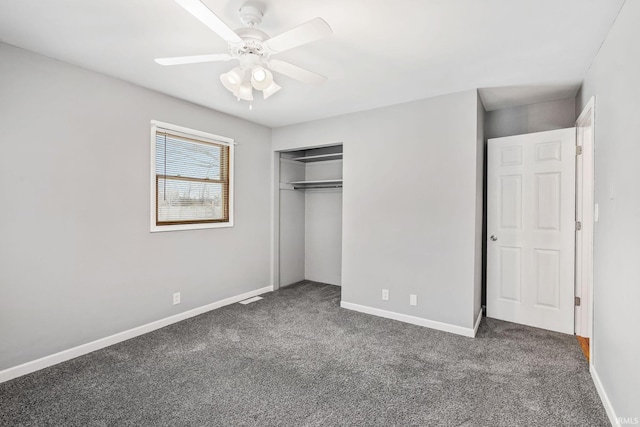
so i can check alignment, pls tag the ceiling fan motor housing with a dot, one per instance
(251, 46)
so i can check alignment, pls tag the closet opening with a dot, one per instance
(309, 216)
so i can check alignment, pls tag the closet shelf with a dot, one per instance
(318, 158)
(323, 183)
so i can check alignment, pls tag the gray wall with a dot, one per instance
(77, 260)
(292, 223)
(323, 225)
(614, 81)
(544, 116)
(409, 203)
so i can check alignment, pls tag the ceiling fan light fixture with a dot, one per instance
(231, 87)
(261, 78)
(236, 76)
(268, 91)
(259, 74)
(245, 91)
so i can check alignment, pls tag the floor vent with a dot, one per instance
(250, 300)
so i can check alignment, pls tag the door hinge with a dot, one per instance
(577, 301)
(578, 226)
(578, 150)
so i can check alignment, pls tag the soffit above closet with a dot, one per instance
(381, 53)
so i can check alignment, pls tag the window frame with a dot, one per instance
(195, 135)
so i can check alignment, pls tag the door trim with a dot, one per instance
(584, 246)
(275, 220)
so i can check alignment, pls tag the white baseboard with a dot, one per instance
(454, 329)
(603, 396)
(62, 356)
(477, 324)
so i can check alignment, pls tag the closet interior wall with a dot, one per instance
(311, 215)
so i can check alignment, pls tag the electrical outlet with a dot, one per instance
(176, 298)
(385, 294)
(413, 299)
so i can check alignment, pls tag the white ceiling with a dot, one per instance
(383, 52)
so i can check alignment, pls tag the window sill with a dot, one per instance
(181, 227)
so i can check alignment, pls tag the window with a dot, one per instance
(191, 179)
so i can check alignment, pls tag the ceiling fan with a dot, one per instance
(254, 50)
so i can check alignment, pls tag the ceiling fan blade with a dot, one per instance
(302, 34)
(210, 19)
(178, 60)
(296, 72)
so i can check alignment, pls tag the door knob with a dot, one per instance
(494, 237)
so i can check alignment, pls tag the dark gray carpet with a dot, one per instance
(297, 359)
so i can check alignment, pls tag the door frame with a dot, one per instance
(585, 185)
(275, 220)
(275, 278)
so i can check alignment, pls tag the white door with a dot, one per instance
(530, 229)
